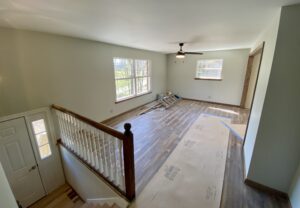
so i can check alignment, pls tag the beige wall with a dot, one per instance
(7, 199)
(181, 74)
(39, 69)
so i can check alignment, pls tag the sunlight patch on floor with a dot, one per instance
(224, 110)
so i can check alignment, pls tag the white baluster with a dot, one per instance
(74, 132)
(93, 163)
(90, 148)
(95, 141)
(85, 147)
(122, 175)
(107, 139)
(104, 150)
(114, 143)
(69, 131)
(79, 137)
(61, 132)
(112, 158)
(118, 165)
(100, 152)
(90, 145)
(86, 143)
(65, 129)
(96, 151)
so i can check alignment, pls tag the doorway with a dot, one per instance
(252, 74)
(19, 162)
(251, 77)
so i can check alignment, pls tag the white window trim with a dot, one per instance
(134, 78)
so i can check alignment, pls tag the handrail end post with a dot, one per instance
(127, 127)
(129, 162)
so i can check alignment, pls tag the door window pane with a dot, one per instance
(41, 137)
(45, 151)
(38, 126)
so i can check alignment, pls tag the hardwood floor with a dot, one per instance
(157, 133)
(235, 192)
(63, 197)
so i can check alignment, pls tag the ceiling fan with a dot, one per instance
(181, 54)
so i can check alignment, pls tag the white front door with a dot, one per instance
(18, 161)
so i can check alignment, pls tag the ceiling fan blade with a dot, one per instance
(194, 53)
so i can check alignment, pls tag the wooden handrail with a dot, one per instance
(95, 124)
(128, 151)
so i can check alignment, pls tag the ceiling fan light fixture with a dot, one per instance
(180, 55)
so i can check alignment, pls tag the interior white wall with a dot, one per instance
(39, 69)
(294, 192)
(7, 198)
(277, 143)
(269, 36)
(85, 182)
(181, 74)
(12, 90)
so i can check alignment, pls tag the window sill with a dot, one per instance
(126, 99)
(210, 79)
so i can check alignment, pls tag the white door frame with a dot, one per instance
(27, 173)
(58, 172)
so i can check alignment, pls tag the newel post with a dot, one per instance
(128, 153)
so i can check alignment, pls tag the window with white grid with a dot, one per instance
(209, 69)
(132, 77)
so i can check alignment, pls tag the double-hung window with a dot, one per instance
(210, 69)
(132, 78)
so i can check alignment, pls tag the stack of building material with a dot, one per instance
(168, 100)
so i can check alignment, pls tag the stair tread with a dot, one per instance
(93, 205)
(105, 206)
(115, 206)
(86, 205)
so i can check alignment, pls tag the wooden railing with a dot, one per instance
(105, 150)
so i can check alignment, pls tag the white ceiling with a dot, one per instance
(156, 25)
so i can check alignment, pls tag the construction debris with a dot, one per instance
(168, 100)
(163, 100)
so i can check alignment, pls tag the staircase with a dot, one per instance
(93, 205)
